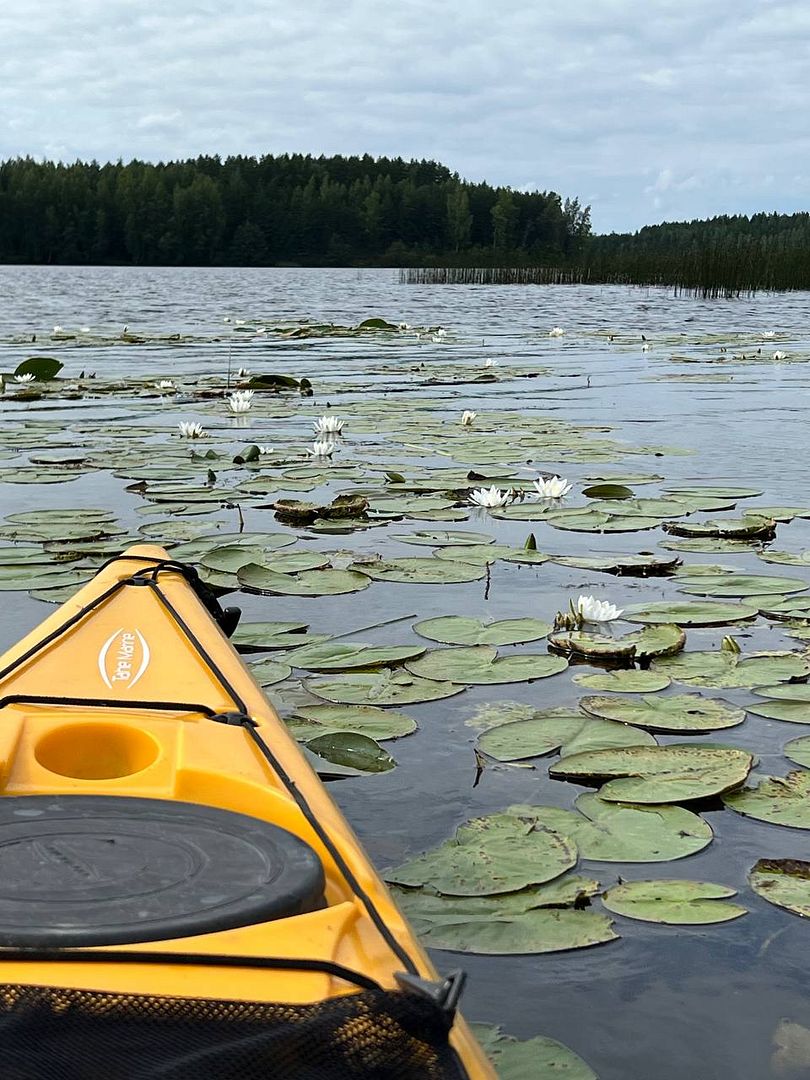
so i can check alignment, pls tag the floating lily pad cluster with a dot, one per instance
(653, 724)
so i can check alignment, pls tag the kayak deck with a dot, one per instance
(131, 691)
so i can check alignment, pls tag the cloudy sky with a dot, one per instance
(649, 110)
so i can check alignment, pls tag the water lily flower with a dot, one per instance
(189, 430)
(261, 329)
(556, 331)
(597, 611)
(490, 498)
(57, 330)
(554, 488)
(645, 347)
(769, 334)
(27, 378)
(239, 322)
(489, 362)
(240, 401)
(404, 326)
(265, 449)
(227, 318)
(243, 373)
(467, 417)
(779, 355)
(322, 448)
(328, 425)
(441, 333)
(84, 329)
(165, 384)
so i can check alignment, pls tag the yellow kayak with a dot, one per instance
(179, 896)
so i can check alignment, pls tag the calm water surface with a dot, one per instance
(661, 1003)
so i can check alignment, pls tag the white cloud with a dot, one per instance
(592, 99)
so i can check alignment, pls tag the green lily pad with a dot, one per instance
(625, 681)
(783, 882)
(792, 712)
(261, 636)
(725, 670)
(461, 630)
(712, 545)
(798, 750)
(788, 558)
(591, 646)
(658, 774)
(608, 491)
(495, 854)
(780, 800)
(596, 521)
(422, 571)
(551, 729)
(475, 554)
(617, 832)
(779, 513)
(793, 608)
(542, 930)
(368, 720)
(564, 891)
(673, 902)
(799, 691)
(712, 491)
(267, 672)
(540, 1058)
(444, 538)
(750, 527)
(353, 750)
(621, 563)
(480, 665)
(741, 585)
(255, 578)
(386, 687)
(690, 613)
(658, 639)
(337, 656)
(678, 713)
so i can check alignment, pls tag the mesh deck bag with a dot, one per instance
(48, 1033)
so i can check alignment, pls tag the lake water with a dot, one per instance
(661, 1003)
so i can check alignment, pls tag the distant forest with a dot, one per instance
(364, 211)
(292, 208)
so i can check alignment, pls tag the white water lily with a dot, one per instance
(645, 347)
(265, 449)
(489, 362)
(328, 425)
(556, 331)
(779, 355)
(27, 378)
(769, 334)
(467, 417)
(597, 611)
(165, 384)
(84, 329)
(322, 448)
(240, 401)
(58, 330)
(554, 488)
(490, 498)
(261, 329)
(404, 326)
(243, 373)
(189, 430)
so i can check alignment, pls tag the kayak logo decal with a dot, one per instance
(123, 658)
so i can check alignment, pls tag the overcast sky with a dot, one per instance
(649, 110)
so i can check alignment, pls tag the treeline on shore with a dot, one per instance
(291, 208)
(363, 211)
